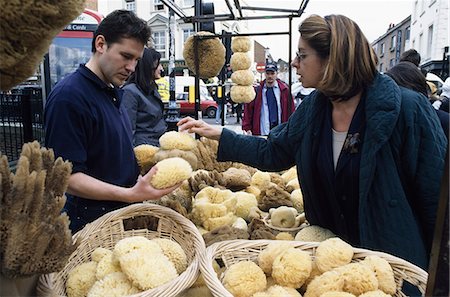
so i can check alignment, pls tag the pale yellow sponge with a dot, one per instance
(314, 233)
(113, 285)
(173, 250)
(243, 77)
(292, 268)
(108, 264)
(254, 190)
(337, 294)
(214, 223)
(297, 200)
(99, 253)
(240, 61)
(261, 179)
(240, 44)
(245, 201)
(170, 172)
(177, 140)
(244, 279)
(132, 243)
(383, 272)
(292, 185)
(147, 271)
(358, 278)
(145, 154)
(284, 236)
(242, 94)
(376, 293)
(329, 281)
(81, 279)
(277, 290)
(289, 174)
(332, 253)
(268, 255)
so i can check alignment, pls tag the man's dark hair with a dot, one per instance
(407, 75)
(144, 76)
(122, 24)
(411, 56)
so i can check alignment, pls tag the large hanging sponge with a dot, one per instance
(26, 31)
(240, 61)
(240, 44)
(242, 94)
(211, 55)
(170, 172)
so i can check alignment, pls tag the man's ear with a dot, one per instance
(100, 44)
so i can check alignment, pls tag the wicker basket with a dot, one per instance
(144, 219)
(233, 251)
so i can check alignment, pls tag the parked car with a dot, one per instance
(207, 106)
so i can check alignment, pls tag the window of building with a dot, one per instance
(407, 34)
(393, 42)
(188, 3)
(187, 33)
(382, 50)
(130, 5)
(416, 6)
(159, 39)
(158, 5)
(430, 41)
(432, 2)
(391, 62)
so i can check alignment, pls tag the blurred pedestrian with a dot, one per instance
(143, 102)
(272, 106)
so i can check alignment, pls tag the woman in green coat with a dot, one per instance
(369, 154)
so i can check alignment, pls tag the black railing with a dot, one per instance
(21, 120)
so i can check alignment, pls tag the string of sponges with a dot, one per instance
(211, 55)
(242, 77)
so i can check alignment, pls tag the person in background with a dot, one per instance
(221, 105)
(361, 145)
(411, 56)
(272, 106)
(86, 124)
(163, 88)
(443, 102)
(143, 102)
(405, 74)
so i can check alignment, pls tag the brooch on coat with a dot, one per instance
(352, 143)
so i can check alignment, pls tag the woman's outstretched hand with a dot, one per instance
(190, 125)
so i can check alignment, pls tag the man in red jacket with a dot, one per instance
(272, 106)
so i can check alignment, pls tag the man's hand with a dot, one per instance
(143, 190)
(249, 132)
(198, 126)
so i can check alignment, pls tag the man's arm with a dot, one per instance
(83, 185)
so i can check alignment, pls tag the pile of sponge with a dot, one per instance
(242, 91)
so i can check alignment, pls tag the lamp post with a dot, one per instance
(172, 110)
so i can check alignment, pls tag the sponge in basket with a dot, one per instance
(170, 172)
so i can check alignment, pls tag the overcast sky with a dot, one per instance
(372, 16)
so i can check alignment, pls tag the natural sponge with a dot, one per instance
(244, 279)
(242, 77)
(242, 94)
(313, 233)
(172, 250)
(240, 61)
(145, 156)
(211, 55)
(292, 268)
(332, 253)
(383, 272)
(113, 285)
(268, 255)
(81, 279)
(170, 172)
(240, 44)
(177, 140)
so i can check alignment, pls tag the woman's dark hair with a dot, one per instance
(122, 24)
(406, 74)
(144, 75)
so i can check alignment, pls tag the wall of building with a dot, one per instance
(430, 31)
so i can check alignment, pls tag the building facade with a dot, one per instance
(430, 34)
(392, 44)
(157, 16)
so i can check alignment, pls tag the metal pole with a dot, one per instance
(289, 61)
(172, 111)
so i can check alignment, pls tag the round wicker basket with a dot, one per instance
(234, 251)
(144, 219)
